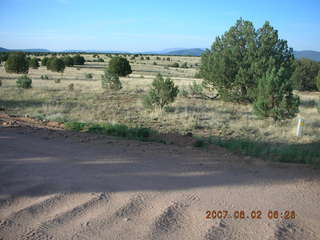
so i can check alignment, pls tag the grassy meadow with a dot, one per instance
(230, 125)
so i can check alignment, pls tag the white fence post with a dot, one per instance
(300, 126)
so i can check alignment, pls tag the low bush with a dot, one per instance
(196, 89)
(176, 65)
(88, 75)
(44, 77)
(162, 92)
(24, 82)
(110, 80)
(184, 65)
(71, 87)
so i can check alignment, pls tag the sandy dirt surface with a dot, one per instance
(61, 185)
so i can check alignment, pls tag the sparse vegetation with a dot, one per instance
(190, 111)
(175, 65)
(88, 75)
(24, 82)
(44, 77)
(71, 87)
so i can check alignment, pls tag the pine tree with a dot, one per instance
(227, 66)
(162, 92)
(275, 98)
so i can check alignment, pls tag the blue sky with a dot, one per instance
(149, 25)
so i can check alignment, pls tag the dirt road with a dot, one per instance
(55, 185)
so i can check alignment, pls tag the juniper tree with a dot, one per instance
(275, 98)
(17, 63)
(162, 92)
(119, 66)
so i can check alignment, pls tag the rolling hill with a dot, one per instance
(313, 55)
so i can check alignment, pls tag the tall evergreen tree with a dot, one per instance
(227, 66)
(275, 98)
(244, 61)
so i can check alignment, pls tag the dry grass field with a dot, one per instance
(216, 121)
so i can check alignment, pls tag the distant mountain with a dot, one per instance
(164, 51)
(24, 50)
(32, 50)
(92, 51)
(4, 50)
(313, 55)
(187, 52)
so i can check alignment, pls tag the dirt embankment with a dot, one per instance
(62, 185)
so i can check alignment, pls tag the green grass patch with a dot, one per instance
(117, 130)
(289, 153)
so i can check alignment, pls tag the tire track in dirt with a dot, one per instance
(14, 203)
(22, 222)
(172, 218)
(67, 223)
(129, 209)
(291, 230)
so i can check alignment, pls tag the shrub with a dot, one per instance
(58, 80)
(148, 58)
(168, 59)
(44, 77)
(200, 143)
(17, 63)
(184, 65)
(162, 92)
(0, 82)
(183, 92)
(154, 63)
(196, 89)
(4, 56)
(24, 82)
(110, 80)
(305, 74)
(141, 58)
(158, 58)
(176, 65)
(78, 60)
(197, 75)
(71, 87)
(68, 61)
(275, 98)
(88, 75)
(44, 61)
(34, 63)
(56, 65)
(119, 66)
